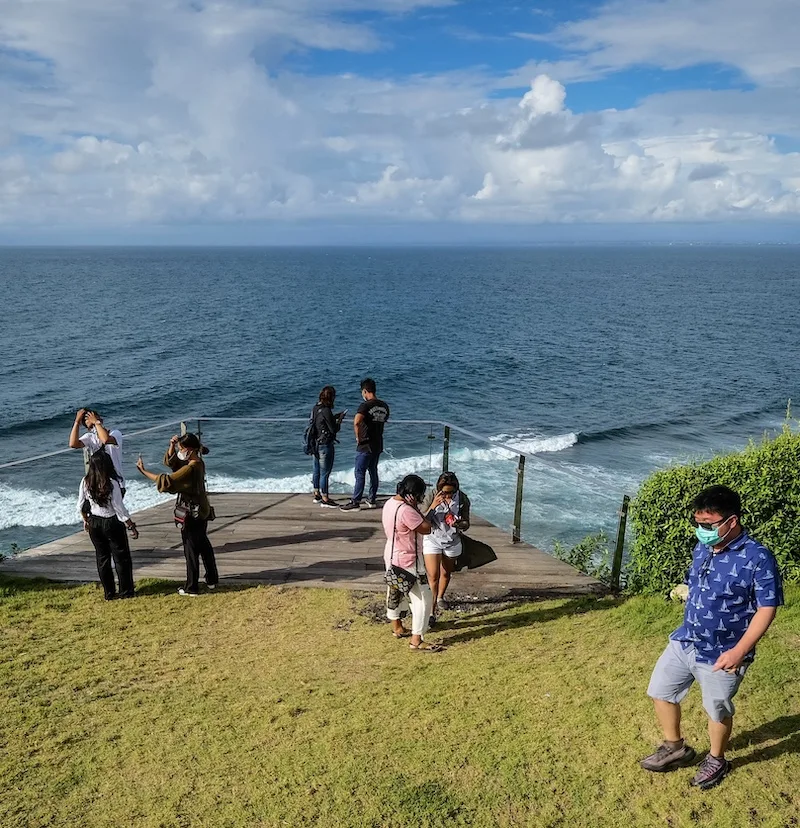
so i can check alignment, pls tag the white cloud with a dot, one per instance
(148, 112)
(760, 39)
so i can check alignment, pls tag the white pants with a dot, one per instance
(420, 602)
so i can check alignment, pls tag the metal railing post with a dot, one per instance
(446, 449)
(199, 431)
(516, 531)
(616, 566)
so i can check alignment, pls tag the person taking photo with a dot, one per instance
(192, 509)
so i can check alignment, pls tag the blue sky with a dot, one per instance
(139, 120)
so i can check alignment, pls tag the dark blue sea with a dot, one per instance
(602, 363)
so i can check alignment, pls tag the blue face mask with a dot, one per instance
(711, 537)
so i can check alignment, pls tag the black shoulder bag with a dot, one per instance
(399, 580)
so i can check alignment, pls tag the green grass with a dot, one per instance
(290, 707)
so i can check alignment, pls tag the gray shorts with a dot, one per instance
(677, 669)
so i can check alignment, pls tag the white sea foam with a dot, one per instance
(532, 443)
(489, 472)
(30, 507)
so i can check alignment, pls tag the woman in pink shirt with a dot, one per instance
(403, 524)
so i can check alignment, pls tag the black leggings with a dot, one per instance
(196, 545)
(110, 541)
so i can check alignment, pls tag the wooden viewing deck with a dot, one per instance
(287, 539)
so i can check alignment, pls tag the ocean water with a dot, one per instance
(602, 363)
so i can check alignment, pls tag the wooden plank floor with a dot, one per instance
(287, 539)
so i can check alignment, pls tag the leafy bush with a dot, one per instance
(590, 555)
(767, 477)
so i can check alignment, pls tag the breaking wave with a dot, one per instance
(22, 506)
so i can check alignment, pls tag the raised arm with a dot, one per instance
(424, 528)
(103, 434)
(171, 459)
(74, 438)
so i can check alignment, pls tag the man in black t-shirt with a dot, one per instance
(368, 425)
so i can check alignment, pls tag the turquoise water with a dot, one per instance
(608, 362)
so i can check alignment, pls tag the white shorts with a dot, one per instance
(435, 546)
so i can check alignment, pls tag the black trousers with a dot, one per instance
(110, 541)
(196, 545)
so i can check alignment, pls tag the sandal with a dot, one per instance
(426, 648)
(404, 634)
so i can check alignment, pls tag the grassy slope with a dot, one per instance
(273, 706)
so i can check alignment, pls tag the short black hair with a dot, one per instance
(719, 499)
(412, 484)
(368, 384)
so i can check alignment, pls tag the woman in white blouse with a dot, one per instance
(104, 518)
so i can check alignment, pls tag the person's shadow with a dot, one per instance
(785, 728)
(482, 624)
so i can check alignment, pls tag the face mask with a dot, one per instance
(710, 537)
(182, 455)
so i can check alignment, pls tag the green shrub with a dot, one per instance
(767, 477)
(590, 555)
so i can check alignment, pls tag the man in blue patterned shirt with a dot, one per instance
(734, 593)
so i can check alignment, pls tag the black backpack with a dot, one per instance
(310, 435)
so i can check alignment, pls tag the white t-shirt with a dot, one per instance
(92, 442)
(114, 507)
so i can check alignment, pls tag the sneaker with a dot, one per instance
(442, 604)
(711, 772)
(350, 506)
(182, 591)
(328, 504)
(211, 586)
(372, 504)
(317, 498)
(667, 758)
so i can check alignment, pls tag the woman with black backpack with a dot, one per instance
(324, 426)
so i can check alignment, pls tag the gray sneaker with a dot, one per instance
(668, 758)
(711, 772)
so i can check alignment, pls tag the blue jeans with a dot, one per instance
(323, 465)
(366, 461)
